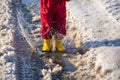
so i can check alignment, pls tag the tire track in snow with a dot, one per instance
(29, 64)
(113, 7)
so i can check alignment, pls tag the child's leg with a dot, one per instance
(46, 19)
(60, 28)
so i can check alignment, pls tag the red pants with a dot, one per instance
(53, 17)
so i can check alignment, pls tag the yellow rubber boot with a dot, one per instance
(46, 45)
(59, 45)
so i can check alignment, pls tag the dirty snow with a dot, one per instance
(92, 48)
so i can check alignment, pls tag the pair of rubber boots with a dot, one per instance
(47, 45)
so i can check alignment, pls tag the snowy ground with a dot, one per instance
(28, 2)
(94, 45)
